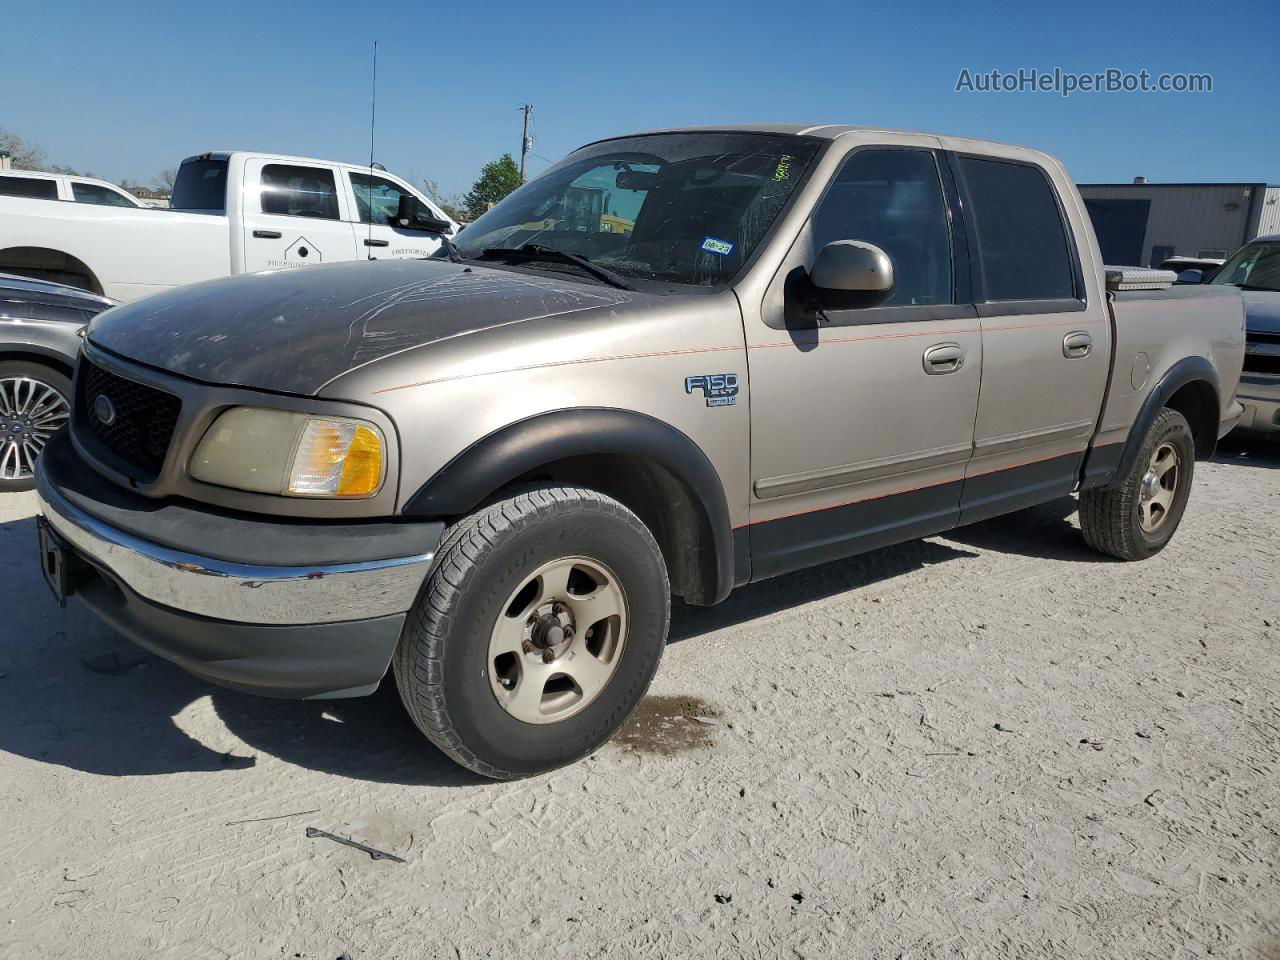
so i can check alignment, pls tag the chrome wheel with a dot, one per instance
(558, 640)
(30, 412)
(1159, 485)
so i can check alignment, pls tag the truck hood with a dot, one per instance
(1261, 311)
(293, 331)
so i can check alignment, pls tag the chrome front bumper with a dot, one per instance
(243, 593)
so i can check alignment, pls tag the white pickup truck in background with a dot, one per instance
(231, 213)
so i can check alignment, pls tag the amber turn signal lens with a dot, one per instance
(362, 471)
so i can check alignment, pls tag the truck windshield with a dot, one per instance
(1255, 266)
(201, 185)
(686, 208)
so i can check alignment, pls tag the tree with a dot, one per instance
(451, 204)
(497, 179)
(164, 180)
(24, 156)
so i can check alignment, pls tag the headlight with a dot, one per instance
(291, 454)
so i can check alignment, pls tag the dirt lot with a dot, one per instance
(987, 744)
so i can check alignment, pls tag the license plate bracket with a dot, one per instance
(58, 562)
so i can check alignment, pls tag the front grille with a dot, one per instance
(143, 424)
(1261, 363)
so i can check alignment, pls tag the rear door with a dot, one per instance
(294, 215)
(862, 419)
(1046, 336)
(375, 200)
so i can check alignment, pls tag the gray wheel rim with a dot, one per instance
(558, 640)
(1159, 487)
(30, 412)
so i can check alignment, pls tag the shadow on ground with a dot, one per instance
(1252, 451)
(73, 693)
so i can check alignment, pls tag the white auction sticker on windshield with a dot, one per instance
(721, 247)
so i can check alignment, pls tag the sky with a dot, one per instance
(127, 89)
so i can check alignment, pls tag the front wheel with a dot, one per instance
(537, 633)
(35, 402)
(1136, 518)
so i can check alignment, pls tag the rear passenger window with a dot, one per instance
(893, 198)
(299, 191)
(1022, 243)
(37, 188)
(96, 193)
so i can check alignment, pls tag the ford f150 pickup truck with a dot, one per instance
(230, 213)
(674, 363)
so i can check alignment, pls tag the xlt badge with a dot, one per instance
(720, 389)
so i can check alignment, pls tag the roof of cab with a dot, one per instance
(822, 131)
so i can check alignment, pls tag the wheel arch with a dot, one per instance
(35, 353)
(40, 261)
(650, 466)
(1190, 386)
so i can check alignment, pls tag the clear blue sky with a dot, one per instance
(126, 89)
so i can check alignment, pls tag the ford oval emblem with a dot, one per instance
(104, 409)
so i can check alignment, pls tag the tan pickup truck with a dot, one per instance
(676, 362)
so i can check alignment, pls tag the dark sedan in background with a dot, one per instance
(40, 325)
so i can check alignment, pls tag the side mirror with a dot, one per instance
(407, 211)
(850, 273)
(409, 216)
(1190, 276)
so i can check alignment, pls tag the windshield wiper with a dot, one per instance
(450, 249)
(535, 251)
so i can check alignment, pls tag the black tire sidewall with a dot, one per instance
(1173, 428)
(486, 729)
(36, 371)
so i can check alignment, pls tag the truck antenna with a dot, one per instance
(373, 126)
(525, 141)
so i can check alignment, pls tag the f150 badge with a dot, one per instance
(720, 389)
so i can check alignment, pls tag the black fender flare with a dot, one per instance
(1185, 371)
(521, 447)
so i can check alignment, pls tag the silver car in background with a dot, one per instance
(1255, 269)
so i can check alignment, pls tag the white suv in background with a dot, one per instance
(37, 185)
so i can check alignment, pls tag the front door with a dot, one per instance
(377, 198)
(862, 419)
(293, 217)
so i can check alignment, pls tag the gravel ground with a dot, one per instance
(992, 743)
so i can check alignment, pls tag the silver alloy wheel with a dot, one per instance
(558, 640)
(1159, 486)
(30, 411)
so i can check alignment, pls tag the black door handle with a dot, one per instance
(267, 234)
(377, 243)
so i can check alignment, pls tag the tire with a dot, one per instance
(1126, 520)
(35, 402)
(471, 666)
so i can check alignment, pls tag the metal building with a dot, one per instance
(1142, 223)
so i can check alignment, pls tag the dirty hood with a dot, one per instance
(1262, 311)
(293, 331)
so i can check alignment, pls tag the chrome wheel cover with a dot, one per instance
(30, 412)
(558, 640)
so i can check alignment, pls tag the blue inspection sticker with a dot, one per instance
(720, 247)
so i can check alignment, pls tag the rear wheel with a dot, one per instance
(1136, 518)
(35, 402)
(537, 633)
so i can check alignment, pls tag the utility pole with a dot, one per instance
(525, 142)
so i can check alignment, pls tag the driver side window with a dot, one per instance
(893, 198)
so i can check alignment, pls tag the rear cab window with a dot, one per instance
(296, 191)
(201, 186)
(1024, 251)
(35, 188)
